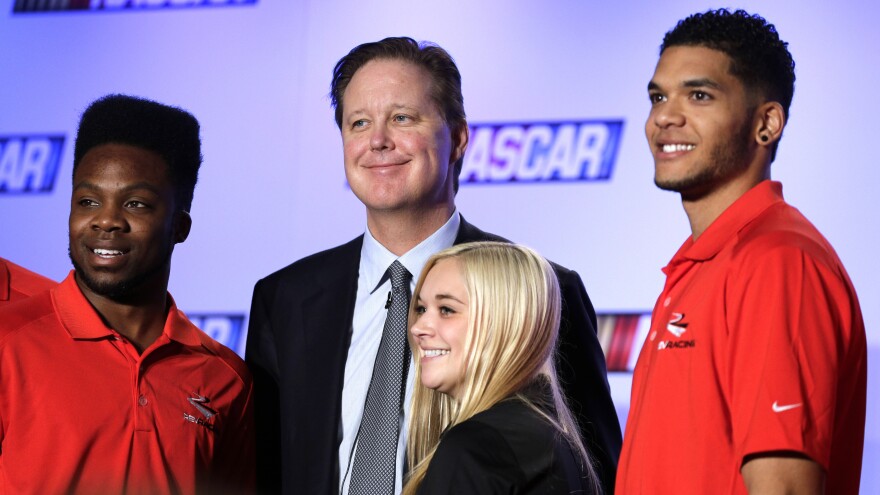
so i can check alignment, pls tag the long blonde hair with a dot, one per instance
(513, 323)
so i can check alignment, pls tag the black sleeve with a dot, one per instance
(581, 367)
(260, 357)
(472, 459)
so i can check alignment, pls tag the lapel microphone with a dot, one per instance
(388, 302)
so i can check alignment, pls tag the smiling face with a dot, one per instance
(123, 222)
(399, 152)
(701, 122)
(440, 327)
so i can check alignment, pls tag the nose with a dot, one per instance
(380, 139)
(108, 218)
(667, 114)
(420, 327)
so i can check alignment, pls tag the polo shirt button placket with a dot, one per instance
(143, 413)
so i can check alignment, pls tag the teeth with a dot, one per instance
(669, 148)
(107, 252)
(436, 352)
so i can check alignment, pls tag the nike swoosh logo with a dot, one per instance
(778, 409)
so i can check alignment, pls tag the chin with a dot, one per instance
(111, 288)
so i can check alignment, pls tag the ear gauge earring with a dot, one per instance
(764, 138)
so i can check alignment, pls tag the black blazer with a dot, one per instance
(507, 449)
(298, 338)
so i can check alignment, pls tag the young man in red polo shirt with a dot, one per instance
(105, 386)
(753, 376)
(17, 282)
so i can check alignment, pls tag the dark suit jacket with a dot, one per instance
(298, 339)
(507, 449)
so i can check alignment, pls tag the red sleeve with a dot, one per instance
(234, 461)
(788, 330)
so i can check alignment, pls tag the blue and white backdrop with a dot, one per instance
(555, 93)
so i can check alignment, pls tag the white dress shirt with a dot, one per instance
(367, 326)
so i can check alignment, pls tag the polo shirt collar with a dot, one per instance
(82, 322)
(739, 214)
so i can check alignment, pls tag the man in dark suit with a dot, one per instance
(316, 325)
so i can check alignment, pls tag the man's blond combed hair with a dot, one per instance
(514, 308)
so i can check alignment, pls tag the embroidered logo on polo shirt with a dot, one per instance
(676, 324)
(200, 403)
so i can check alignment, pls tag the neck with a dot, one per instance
(140, 318)
(400, 231)
(702, 210)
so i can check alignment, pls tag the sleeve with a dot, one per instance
(472, 459)
(789, 332)
(260, 358)
(584, 377)
(234, 465)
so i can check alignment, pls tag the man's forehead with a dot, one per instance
(680, 64)
(372, 69)
(395, 87)
(116, 157)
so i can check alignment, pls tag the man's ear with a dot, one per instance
(460, 136)
(770, 121)
(182, 226)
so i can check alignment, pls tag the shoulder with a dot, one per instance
(25, 282)
(490, 431)
(218, 352)
(510, 427)
(468, 232)
(782, 228)
(568, 279)
(471, 436)
(782, 243)
(473, 457)
(22, 315)
(340, 257)
(508, 448)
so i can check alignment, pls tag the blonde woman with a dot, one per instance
(487, 412)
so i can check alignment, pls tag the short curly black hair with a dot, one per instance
(168, 131)
(758, 57)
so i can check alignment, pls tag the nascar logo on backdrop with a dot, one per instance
(29, 164)
(56, 5)
(224, 328)
(541, 152)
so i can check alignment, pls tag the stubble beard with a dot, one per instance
(122, 290)
(728, 159)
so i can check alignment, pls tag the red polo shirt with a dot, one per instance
(757, 344)
(82, 412)
(18, 283)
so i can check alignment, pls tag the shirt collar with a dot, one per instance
(376, 258)
(82, 322)
(739, 214)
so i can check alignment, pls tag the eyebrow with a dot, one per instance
(704, 82)
(441, 297)
(132, 187)
(394, 106)
(701, 83)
